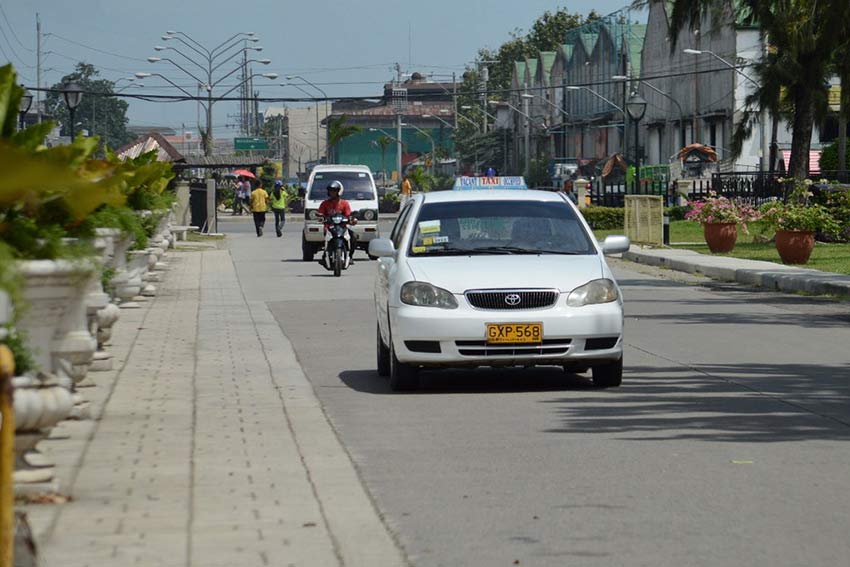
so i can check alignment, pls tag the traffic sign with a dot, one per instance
(250, 144)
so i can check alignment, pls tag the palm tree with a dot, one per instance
(803, 37)
(383, 142)
(338, 130)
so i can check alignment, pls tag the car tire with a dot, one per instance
(383, 355)
(403, 377)
(372, 257)
(608, 375)
(306, 250)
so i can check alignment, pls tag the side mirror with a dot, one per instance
(301, 192)
(615, 244)
(381, 248)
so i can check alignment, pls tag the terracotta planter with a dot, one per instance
(795, 246)
(720, 236)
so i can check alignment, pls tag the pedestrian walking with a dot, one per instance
(259, 207)
(278, 203)
(236, 208)
(406, 191)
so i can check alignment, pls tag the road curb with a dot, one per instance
(767, 275)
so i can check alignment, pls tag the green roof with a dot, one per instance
(519, 71)
(547, 61)
(588, 39)
(531, 63)
(567, 49)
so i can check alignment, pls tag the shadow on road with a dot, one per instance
(758, 403)
(474, 381)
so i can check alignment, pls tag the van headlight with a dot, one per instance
(311, 214)
(369, 215)
(591, 293)
(426, 295)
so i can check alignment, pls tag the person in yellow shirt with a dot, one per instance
(278, 202)
(406, 191)
(259, 206)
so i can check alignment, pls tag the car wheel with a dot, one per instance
(306, 250)
(403, 377)
(372, 257)
(608, 375)
(383, 355)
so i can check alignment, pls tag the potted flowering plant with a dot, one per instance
(796, 220)
(720, 218)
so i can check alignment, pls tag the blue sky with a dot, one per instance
(326, 41)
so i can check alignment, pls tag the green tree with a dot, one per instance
(338, 130)
(547, 33)
(100, 113)
(805, 37)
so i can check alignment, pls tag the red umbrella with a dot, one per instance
(244, 173)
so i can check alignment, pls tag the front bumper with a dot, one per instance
(365, 231)
(586, 335)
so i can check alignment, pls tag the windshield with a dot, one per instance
(499, 227)
(357, 185)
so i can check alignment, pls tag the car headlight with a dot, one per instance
(597, 291)
(311, 214)
(426, 295)
(369, 215)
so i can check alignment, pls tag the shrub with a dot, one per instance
(604, 218)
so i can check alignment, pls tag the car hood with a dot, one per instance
(458, 274)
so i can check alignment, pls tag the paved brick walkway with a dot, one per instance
(212, 449)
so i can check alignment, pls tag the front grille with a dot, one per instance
(549, 347)
(509, 299)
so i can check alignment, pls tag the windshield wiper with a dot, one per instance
(449, 251)
(521, 250)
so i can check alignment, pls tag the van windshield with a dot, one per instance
(357, 185)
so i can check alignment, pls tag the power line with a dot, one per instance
(12, 29)
(12, 48)
(83, 45)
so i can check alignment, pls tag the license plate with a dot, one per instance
(503, 333)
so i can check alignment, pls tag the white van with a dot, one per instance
(359, 190)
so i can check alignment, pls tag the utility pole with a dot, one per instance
(485, 76)
(527, 138)
(454, 101)
(38, 65)
(400, 102)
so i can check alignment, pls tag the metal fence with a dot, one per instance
(752, 187)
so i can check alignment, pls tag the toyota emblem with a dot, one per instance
(513, 299)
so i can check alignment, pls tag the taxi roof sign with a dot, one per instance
(489, 183)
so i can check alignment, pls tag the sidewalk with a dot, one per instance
(208, 445)
(768, 275)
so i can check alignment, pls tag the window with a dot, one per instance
(357, 185)
(499, 227)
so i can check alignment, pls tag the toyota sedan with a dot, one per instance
(496, 278)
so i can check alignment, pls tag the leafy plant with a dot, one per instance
(719, 209)
(797, 212)
(604, 218)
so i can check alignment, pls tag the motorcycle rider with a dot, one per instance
(335, 205)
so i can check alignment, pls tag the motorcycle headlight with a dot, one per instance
(312, 214)
(369, 215)
(597, 291)
(426, 295)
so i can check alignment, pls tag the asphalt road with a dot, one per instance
(728, 443)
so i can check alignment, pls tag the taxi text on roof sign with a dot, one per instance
(467, 183)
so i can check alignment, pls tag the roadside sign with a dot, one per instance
(250, 144)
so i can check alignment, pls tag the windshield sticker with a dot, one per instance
(428, 241)
(441, 239)
(419, 249)
(428, 227)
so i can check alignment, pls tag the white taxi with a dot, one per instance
(496, 278)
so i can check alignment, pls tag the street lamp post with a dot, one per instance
(209, 61)
(762, 112)
(318, 152)
(662, 93)
(528, 121)
(73, 95)
(24, 106)
(430, 139)
(636, 107)
(324, 94)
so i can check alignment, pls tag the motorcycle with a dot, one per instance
(336, 256)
